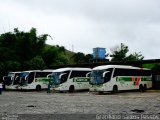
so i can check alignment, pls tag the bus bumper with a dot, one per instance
(100, 89)
(93, 89)
(11, 87)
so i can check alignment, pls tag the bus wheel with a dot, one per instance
(144, 88)
(141, 88)
(115, 89)
(71, 89)
(38, 88)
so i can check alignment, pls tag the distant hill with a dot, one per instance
(67, 54)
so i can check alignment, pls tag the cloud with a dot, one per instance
(86, 24)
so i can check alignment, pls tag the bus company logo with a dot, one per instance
(136, 80)
(81, 80)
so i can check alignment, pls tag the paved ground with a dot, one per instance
(81, 104)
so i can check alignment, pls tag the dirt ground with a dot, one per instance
(79, 105)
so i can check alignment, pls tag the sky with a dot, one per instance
(81, 25)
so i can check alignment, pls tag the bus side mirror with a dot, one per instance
(104, 74)
(88, 74)
(26, 77)
(16, 78)
(62, 75)
(4, 78)
(49, 76)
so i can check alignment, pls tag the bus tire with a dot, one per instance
(38, 88)
(71, 89)
(144, 88)
(115, 89)
(141, 88)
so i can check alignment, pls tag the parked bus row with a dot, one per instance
(106, 78)
(27, 80)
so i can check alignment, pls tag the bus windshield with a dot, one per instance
(100, 76)
(60, 77)
(97, 77)
(10, 79)
(15, 80)
(23, 78)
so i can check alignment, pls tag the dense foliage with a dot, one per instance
(21, 50)
(153, 66)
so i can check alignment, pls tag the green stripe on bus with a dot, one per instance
(99, 85)
(44, 80)
(135, 78)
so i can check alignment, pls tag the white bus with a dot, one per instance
(34, 80)
(115, 78)
(10, 80)
(71, 79)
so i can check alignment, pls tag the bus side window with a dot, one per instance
(78, 74)
(64, 78)
(42, 74)
(17, 80)
(30, 77)
(131, 72)
(107, 76)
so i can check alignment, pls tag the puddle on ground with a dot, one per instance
(137, 111)
(31, 106)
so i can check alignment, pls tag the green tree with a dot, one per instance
(134, 56)
(26, 50)
(37, 63)
(19, 48)
(121, 54)
(88, 58)
(13, 65)
(7, 54)
(54, 55)
(2, 69)
(79, 57)
(50, 55)
(153, 66)
(29, 44)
